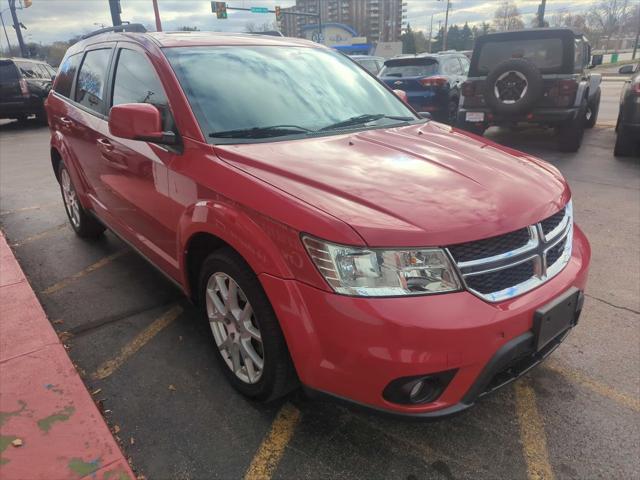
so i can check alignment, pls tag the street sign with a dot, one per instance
(259, 10)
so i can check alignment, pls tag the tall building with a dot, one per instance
(377, 20)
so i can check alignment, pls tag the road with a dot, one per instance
(132, 335)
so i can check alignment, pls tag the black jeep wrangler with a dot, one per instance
(536, 76)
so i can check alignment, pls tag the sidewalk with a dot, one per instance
(50, 427)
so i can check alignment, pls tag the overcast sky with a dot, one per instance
(49, 20)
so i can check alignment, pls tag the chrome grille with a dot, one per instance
(509, 265)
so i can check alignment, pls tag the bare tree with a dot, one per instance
(609, 16)
(265, 27)
(507, 17)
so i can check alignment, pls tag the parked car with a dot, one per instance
(371, 63)
(24, 84)
(432, 82)
(537, 76)
(628, 124)
(330, 235)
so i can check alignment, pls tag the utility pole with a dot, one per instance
(114, 6)
(446, 22)
(17, 26)
(6, 36)
(156, 12)
(541, 8)
(430, 32)
(635, 45)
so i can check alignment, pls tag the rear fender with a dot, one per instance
(594, 83)
(59, 143)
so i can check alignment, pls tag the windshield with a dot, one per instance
(298, 89)
(410, 68)
(544, 53)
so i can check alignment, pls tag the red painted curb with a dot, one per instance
(50, 428)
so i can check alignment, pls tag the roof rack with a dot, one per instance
(125, 27)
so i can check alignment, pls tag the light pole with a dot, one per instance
(5, 30)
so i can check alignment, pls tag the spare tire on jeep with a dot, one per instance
(513, 87)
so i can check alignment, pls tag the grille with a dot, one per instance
(503, 267)
(548, 224)
(554, 253)
(501, 279)
(489, 247)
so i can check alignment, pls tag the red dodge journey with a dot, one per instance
(333, 237)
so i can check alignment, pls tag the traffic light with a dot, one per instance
(220, 8)
(26, 3)
(278, 13)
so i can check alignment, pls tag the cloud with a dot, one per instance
(50, 20)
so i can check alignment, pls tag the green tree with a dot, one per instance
(466, 38)
(408, 41)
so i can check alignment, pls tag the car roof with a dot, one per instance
(533, 32)
(21, 59)
(193, 39)
(365, 57)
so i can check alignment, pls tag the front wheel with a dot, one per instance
(250, 346)
(83, 223)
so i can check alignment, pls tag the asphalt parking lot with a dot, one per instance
(149, 359)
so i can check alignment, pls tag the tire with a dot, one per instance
(277, 376)
(571, 134)
(471, 128)
(452, 112)
(593, 107)
(522, 87)
(83, 223)
(625, 144)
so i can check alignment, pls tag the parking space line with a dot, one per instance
(597, 387)
(140, 340)
(272, 448)
(532, 434)
(27, 209)
(91, 268)
(38, 236)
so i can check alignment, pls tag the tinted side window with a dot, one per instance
(29, 70)
(8, 72)
(66, 73)
(464, 61)
(91, 84)
(578, 59)
(44, 73)
(452, 67)
(136, 81)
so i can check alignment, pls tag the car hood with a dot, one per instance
(417, 185)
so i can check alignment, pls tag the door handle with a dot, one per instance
(104, 145)
(67, 122)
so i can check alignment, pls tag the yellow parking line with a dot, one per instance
(110, 366)
(40, 235)
(599, 388)
(27, 209)
(266, 460)
(534, 439)
(91, 268)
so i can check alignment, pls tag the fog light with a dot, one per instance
(418, 389)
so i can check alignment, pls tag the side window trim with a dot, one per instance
(103, 46)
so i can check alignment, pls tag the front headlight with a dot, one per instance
(371, 272)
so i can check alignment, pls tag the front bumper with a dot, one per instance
(353, 347)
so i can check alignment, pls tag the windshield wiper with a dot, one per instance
(361, 119)
(260, 132)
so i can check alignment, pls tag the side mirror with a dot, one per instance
(402, 95)
(426, 115)
(139, 121)
(626, 69)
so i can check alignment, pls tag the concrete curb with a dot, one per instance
(50, 427)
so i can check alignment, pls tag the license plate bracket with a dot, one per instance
(474, 116)
(555, 317)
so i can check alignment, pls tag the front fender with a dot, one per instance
(240, 228)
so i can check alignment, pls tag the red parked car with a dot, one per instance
(333, 237)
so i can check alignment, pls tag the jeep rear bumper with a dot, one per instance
(539, 116)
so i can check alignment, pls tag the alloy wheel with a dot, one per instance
(234, 327)
(70, 198)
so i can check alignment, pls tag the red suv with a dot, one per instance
(332, 236)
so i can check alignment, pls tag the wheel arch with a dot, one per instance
(208, 226)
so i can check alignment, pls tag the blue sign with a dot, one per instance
(259, 10)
